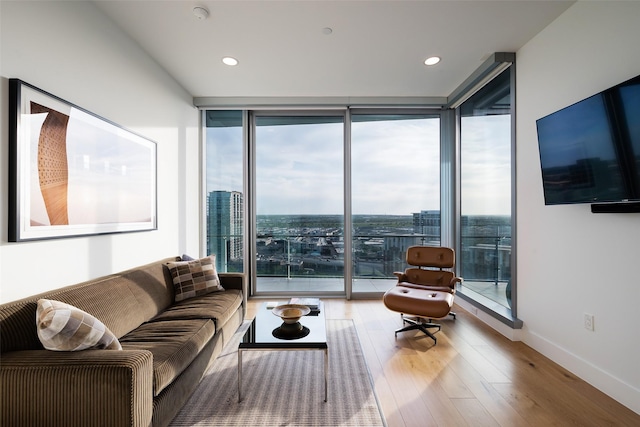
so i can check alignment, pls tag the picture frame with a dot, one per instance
(73, 173)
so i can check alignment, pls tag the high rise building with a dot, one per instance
(427, 223)
(225, 211)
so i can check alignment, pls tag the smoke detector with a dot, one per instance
(200, 12)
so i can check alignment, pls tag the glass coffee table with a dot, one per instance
(267, 332)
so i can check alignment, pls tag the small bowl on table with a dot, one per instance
(291, 313)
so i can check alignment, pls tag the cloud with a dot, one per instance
(299, 169)
(395, 166)
(485, 175)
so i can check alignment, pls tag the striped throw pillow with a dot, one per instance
(63, 327)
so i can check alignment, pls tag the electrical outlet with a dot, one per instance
(588, 322)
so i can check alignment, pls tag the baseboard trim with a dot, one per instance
(615, 388)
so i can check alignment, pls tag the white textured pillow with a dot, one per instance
(63, 327)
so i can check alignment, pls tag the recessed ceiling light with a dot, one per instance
(200, 13)
(327, 30)
(432, 60)
(230, 61)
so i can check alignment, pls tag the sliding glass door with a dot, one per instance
(321, 202)
(299, 203)
(395, 193)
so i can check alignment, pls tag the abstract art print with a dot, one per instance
(73, 173)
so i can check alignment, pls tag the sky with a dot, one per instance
(395, 166)
(486, 165)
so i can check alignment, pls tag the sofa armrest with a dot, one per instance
(236, 281)
(91, 387)
(232, 281)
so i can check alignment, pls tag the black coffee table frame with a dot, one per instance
(259, 337)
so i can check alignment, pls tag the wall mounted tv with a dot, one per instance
(590, 151)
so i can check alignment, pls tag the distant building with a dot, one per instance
(427, 223)
(225, 212)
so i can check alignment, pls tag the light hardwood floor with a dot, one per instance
(472, 377)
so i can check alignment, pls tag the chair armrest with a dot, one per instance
(41, 387)
(402, 277)
(455, 280)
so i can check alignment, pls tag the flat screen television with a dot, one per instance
(590, 151)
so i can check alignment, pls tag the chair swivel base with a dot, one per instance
(417, 323)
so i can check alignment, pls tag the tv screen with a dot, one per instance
(590, 151)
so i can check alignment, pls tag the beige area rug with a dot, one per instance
(286, 388)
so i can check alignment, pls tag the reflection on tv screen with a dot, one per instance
(590, 151)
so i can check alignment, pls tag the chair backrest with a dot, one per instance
(429, 256)
(428, 263)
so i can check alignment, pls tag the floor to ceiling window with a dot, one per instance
(224, 183)
(296, 181)
(485, 194)
(299, 193)
(395, 193)
(326, 202)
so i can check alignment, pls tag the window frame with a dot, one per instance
(492, 68)
(450, 127)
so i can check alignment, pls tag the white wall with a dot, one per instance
(73, 51)
(571, 261)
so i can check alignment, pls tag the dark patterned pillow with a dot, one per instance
(193, 278)
(63, 327)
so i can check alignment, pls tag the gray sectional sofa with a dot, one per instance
(167, 346)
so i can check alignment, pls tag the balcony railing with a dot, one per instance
(485, 264)
(482, 259)
(296, 255)
(485, 258)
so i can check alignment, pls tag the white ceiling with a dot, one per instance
(376, 49)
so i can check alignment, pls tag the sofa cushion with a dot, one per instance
(63, 327)
(193, 278)
(219, 307)
(174, 344)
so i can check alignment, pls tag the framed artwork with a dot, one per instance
(73, 173)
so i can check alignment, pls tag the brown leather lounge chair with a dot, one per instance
(425, 290)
